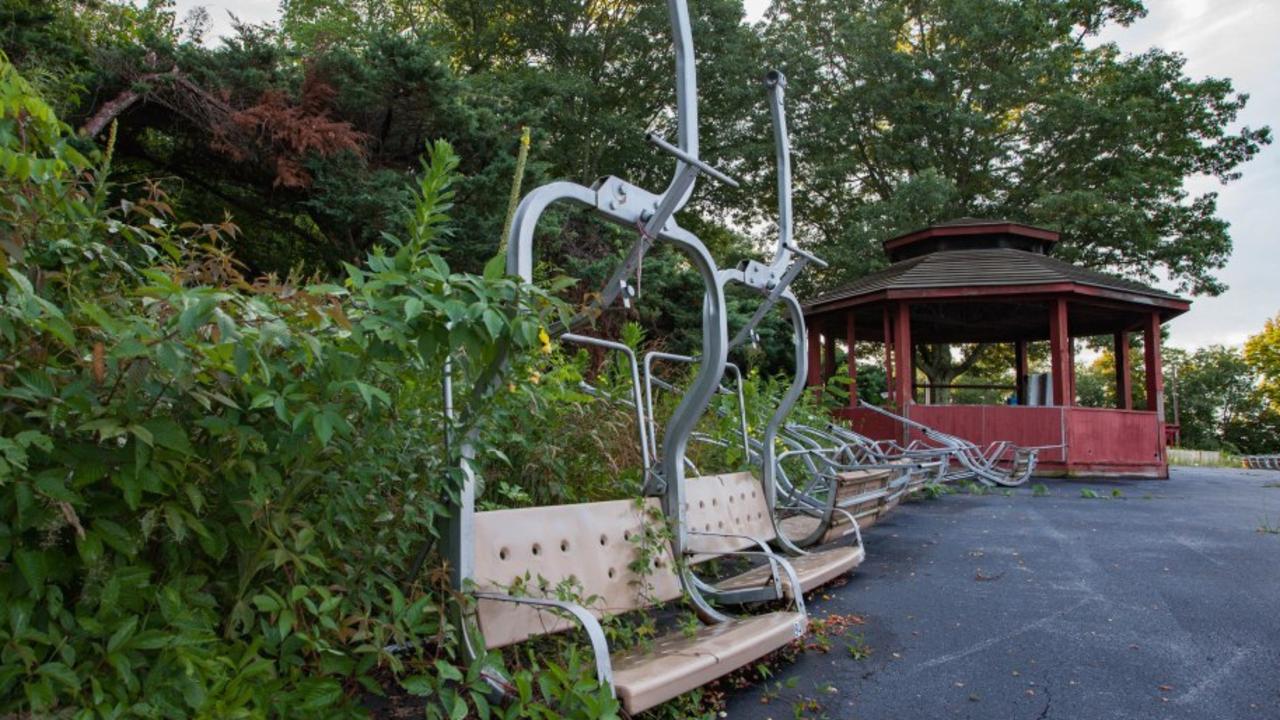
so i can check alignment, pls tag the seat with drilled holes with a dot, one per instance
(728, 513)
(548, 569)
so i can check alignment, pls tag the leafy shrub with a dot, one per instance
(212, 490)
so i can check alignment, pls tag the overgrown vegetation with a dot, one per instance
(214, 487)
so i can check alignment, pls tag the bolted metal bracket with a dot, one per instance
(624, 203)
(654, 484)
(757, 275)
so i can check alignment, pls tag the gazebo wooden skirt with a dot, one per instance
(1078, 441)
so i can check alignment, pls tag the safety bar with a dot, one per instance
(650, 379)
(630, 354)
(589, 623)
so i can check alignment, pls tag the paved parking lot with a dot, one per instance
(1163, 602)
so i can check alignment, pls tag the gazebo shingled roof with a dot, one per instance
(975, 253)
(984, 267)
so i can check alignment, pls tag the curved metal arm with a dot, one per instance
(783, 268)
(800, 348)
(651, 379)
(589, 623)
(525, 221)
(857, 529)
(686, 95)
(776, 561)
(979, 463)
(629, 206)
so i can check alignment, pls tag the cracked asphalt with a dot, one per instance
(1162, 603)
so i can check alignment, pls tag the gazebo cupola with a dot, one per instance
(985, 281)
(970, 234)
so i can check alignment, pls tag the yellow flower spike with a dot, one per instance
(545, 339)
(535, 377)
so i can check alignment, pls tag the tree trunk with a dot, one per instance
(940, 368)
(115, 107)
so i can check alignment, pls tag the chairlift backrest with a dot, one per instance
(733, 507)
(591, 550)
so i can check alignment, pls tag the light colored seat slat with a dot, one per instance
(733, 504)
(802, 526)
(678, 663)
(813, 570)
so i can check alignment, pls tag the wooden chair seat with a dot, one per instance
(813, 570)
(677, 663)
(799, 526)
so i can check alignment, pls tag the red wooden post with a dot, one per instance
(1155, 377)
(829, 359)
(889, 387)
(1059, 352)
(813, 366)
(1071, 365)
(1124, 374)
(849, 339)
(1020, 369)
(904, 352)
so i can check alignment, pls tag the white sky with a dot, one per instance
(1220, 38)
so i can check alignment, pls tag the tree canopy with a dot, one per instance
(908, 113)
(903, 113)
(305, 132)
(1262, 352)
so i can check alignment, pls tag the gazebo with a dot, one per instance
(981, 281)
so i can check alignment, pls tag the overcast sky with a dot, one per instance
(1220, 38)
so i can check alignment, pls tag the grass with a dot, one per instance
(1040, 490)
(1267, 528)
(936, 490)
(1091, 494)
(858, 647)
(1202, 458)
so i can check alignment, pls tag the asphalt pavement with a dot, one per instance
(1156, 599)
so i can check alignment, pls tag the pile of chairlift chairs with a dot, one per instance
(1262, 462)
(794, 522)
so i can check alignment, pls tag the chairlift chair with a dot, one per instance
(999, 464)
(730, 512)
(541, 570)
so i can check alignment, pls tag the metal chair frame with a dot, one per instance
(999, 464)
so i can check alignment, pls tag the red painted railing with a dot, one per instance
(1076, 440)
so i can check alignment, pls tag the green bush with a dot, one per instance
(212, 490)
